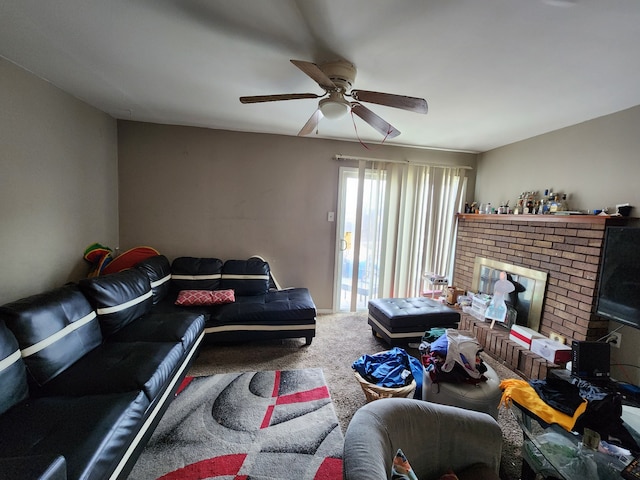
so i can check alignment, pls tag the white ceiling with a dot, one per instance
(493, 71)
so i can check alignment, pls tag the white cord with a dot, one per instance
(610, 333)
(275, 282)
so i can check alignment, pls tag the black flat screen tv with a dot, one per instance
(619, 283)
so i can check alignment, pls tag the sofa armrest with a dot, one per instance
(41, 467)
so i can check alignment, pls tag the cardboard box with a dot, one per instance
(550, 350)
(452, 295)
(523, 335)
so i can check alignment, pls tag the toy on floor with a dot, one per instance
(103, 262)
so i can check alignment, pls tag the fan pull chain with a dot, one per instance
(355, 127)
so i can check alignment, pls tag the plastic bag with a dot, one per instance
(573, 462)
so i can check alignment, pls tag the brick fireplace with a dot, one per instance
(567, 248)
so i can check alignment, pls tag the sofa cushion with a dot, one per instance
(246, 277)
(13, 376)
(183, 327)
(158, 270)
(43, 467)
(280, 307)
(54, 329)
(91, 432)
(190, 273)
(116, 367)
(118, 298)
(188, 298)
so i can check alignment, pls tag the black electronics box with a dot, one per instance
(591, 360)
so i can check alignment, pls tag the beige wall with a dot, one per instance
(58, 183)
(597, 162)
(201, 192)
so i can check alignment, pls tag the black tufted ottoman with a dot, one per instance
(404, 320)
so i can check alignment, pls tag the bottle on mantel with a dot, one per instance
(559, 203)
(562, 204)
(547, 204)
(543, 203)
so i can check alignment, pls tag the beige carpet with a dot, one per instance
(340, 339)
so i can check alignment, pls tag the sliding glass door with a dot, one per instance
(359, 233)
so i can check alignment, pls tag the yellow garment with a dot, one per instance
(523, 394)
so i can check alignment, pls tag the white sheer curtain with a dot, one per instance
(417, 234)
(370, 214)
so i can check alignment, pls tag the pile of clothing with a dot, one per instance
(574, 405)
(453, 356)
(392, 369)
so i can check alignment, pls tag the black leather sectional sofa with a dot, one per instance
(88, 369)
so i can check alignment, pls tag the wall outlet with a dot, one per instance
(557, 338)
(614, 338)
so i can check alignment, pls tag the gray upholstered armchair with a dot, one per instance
(435, 438)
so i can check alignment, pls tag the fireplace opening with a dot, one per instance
(528, 297)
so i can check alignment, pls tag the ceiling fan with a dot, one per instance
(336, 79)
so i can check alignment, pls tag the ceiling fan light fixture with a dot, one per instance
(334, 107)
(336, 79)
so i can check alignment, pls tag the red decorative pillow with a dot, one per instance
(205, 297)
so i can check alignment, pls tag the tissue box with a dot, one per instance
(479, 303)
(523, 335)
(550, 350)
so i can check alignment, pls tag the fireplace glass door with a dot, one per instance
(527, 298)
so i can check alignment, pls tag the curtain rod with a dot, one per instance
(341, 157)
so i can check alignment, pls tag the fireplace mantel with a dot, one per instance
(550, 219)
(567, 247)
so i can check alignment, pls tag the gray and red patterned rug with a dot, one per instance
(247, 426)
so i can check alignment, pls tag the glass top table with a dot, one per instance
(550, 451)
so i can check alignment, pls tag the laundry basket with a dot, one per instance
(375, 392)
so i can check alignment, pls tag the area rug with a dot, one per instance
(247, 426)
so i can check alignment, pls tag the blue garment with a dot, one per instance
(441, 345)
(393, 368)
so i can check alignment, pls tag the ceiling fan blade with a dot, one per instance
(375, 121)
(311, 124)
(413, 104)
(275, 98)
(312, 70)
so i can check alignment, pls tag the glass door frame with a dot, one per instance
(358, 298)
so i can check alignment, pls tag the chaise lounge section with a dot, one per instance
(258, 311)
